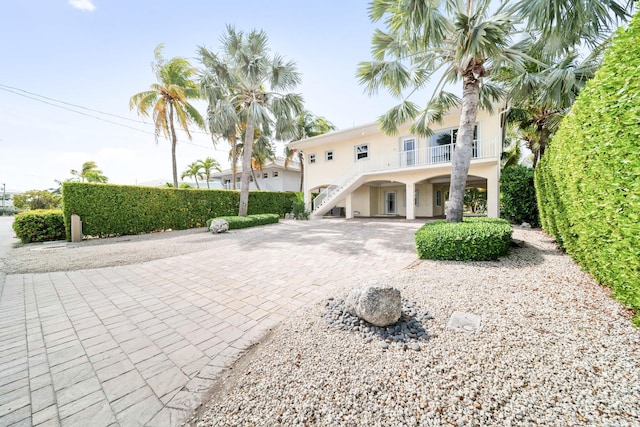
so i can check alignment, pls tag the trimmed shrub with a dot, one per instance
(108, 210)
(587, 182)
(236, 222)
(519, 196)
(40, 225)
(474, 239)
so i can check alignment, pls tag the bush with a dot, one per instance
(519, 196)
(474, 239)
(40, 225)
(587, 181)
(236, 222)
(108, 210)
(299, 210)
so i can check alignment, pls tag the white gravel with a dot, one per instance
(554, 349)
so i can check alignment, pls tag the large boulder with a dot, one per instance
(377, 303)
(219, 226)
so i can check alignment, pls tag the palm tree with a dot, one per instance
(307, 125)
(462, 40)
(168, 101)
(245, 85)
(194, 170)
(262, 151)
(90, 173)
(208, 165)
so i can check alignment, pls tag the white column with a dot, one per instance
(348, 207)
(493, 194)
(410, 202)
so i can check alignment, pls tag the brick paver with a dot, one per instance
(141, 344)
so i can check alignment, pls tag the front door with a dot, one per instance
(390, 203)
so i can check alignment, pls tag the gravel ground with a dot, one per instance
(96, 253)
(554, 349)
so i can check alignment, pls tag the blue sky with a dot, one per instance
(97, 53)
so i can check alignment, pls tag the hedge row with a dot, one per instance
(588, 182)
(108, 210)
(474, 239)
(39, 225)
(236, 222)
(518, 196)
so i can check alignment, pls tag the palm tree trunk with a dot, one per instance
(461, 158)
(253, 174)
(174, 142)
(208, 177)
(234, 159)
(246, 170)
(300, 159)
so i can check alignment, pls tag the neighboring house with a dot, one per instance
(366, 173)
(272, 177)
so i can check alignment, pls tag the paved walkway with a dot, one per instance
(141, 344)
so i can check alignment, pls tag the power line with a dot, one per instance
(45, 100)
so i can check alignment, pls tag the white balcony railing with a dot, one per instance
(429, 156)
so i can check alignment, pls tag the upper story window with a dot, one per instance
(328, 155)
(275, 174)
(312, 158)
(449, 136)
(362, 151)
(265, 175)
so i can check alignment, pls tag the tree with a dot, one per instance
(462, 40)
(468, 42)
(89, 173)
(307, 125)
(208, 165)
(245, 85)
(168, 101)
(194, 170)
(36, 199)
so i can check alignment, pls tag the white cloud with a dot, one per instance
(83, 5)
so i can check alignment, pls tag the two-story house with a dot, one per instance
(273, 176)
(369, 173)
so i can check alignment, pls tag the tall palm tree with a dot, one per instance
(194, 170)
(208, 165)
(245, 85)
(168, 101)
(465, 41)
(90, 173)
(307, 125)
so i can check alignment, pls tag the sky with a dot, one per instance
(91, 56)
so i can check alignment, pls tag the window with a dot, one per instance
(328, 155)
(438, 198)
(275, 174)
(362, 151)
(416, 198)
(312, 158)
(265, 175)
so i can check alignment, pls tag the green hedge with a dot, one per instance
(474, 239)
(518, 196)
(40, 225)
(108, 210)
(236, 222)
(588, 181)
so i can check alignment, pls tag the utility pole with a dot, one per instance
(4, 192)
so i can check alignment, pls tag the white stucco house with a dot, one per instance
(273, 176)
(367, 173)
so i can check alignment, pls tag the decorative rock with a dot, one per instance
(219, 226)
(415, 346)
(378, 304)
(525, 225)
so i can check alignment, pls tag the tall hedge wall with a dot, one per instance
(588, 182)
(107, 210)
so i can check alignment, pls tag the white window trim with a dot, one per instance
(438, 198)
(326, 155)
(312, 158)
(355, 152)
(275, 174)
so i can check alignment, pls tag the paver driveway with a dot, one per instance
(140, 344)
